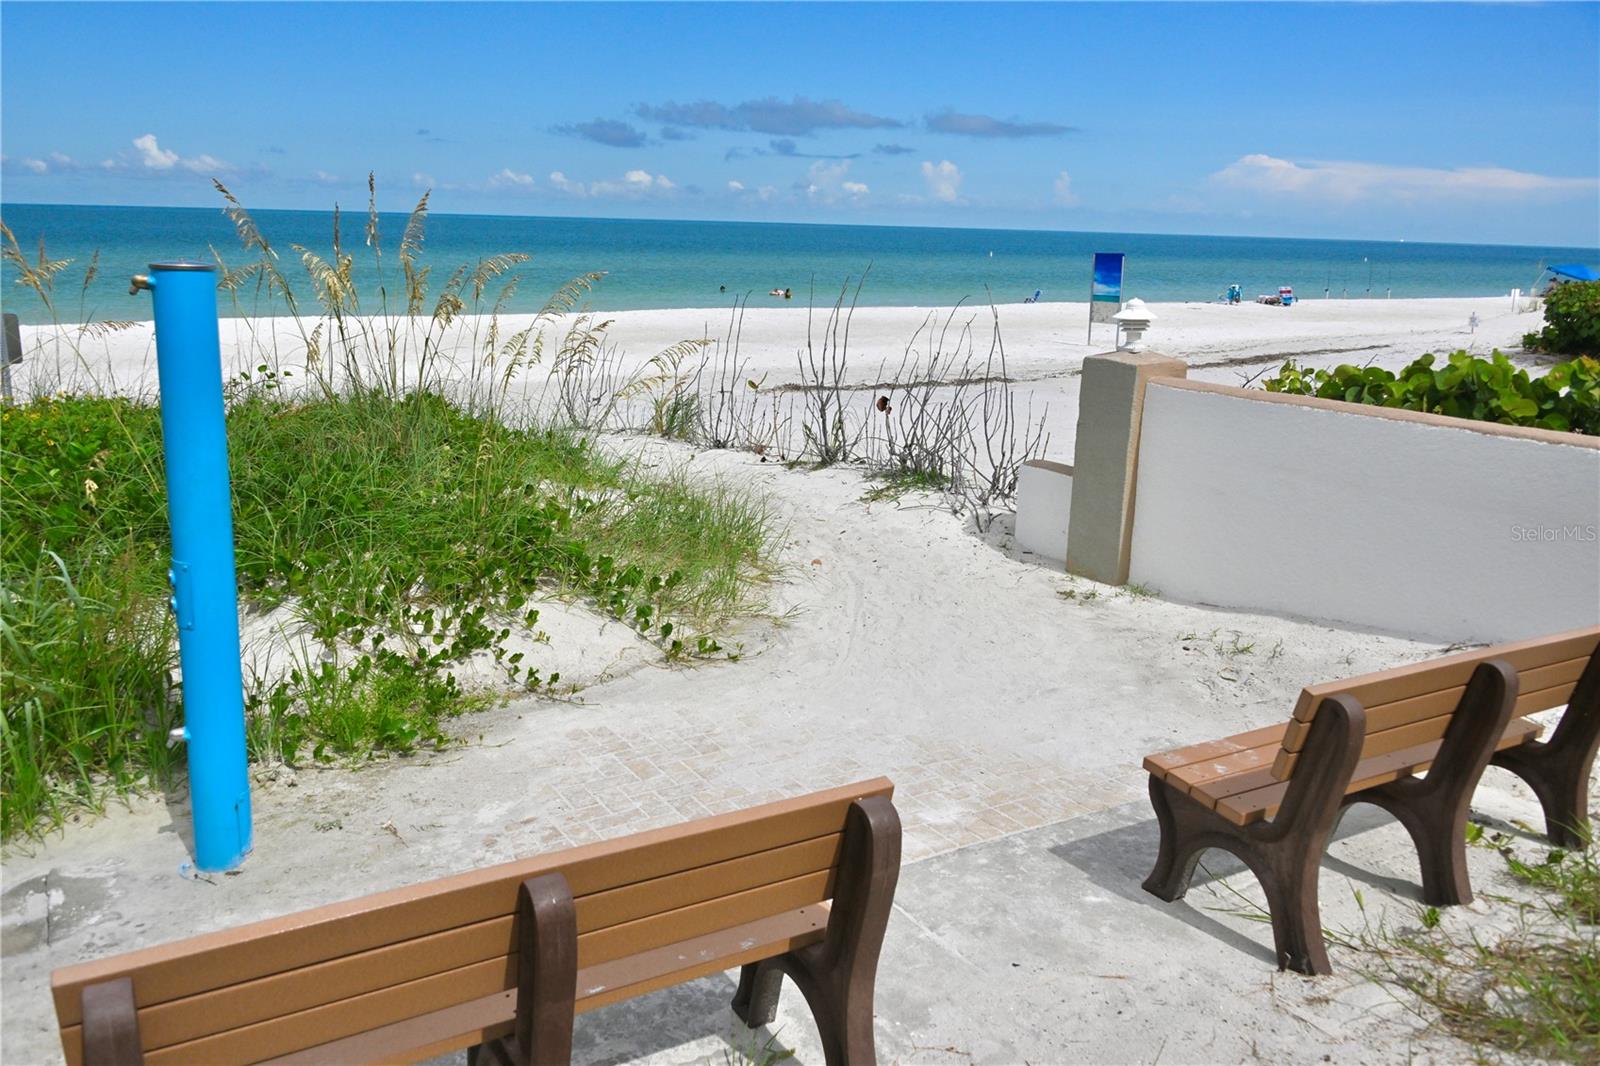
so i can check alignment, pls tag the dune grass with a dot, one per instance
(1531, 991)
(401, 529)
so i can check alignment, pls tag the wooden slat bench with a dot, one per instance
(802, 887)
(1413, 740)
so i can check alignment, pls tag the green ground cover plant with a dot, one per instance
(1565, 398)
(1572, 321)
(401, 529)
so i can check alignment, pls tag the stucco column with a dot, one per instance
(1110, 407)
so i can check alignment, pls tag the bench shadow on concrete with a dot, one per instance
(662, 1021)
(1118, 860)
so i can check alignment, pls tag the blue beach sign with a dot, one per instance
(1105, 287)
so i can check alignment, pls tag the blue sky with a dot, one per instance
(1420, 122)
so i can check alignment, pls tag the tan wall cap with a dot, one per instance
(1394, 414)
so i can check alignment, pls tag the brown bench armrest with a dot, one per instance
(111, 1025)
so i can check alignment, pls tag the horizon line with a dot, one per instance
(836, 225)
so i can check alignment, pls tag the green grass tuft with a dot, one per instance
(1533, 990)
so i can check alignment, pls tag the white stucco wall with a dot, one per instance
(1420, 528)
(1044, 509)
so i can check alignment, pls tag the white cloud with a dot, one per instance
(148, 157)
(825, 183)
(565, 184)
(1063, 190)
(154, 157)
(1344, 182)
(944, 180)
(324, 178)
(735, 186)
(635, 184)
(510, 179)
(52, 163)
(421, 180)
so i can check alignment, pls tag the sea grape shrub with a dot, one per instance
(1565, 398)
(1571, 321)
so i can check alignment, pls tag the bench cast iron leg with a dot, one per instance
(1187, 831)
(1180, 846)
(1284, 854)
(111, 1025)
(756, 1001)
(1434, 808)
(837, 975)
(547, 978)
(1558, 770)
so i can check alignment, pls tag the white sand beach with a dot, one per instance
(1011, 716)
(1044, 344)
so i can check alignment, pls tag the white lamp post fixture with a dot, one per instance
(1134, 319)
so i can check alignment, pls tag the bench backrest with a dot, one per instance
(1413, 704)
(287, 984)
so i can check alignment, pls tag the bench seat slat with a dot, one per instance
(234, 1006)
(1163, 763)
(1429, 675)
(1216, 791)
(232, 956)
(1246, 806)
(1197, 775)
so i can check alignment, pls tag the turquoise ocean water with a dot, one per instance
(656, 264)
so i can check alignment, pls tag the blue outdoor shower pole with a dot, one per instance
(204, 586)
